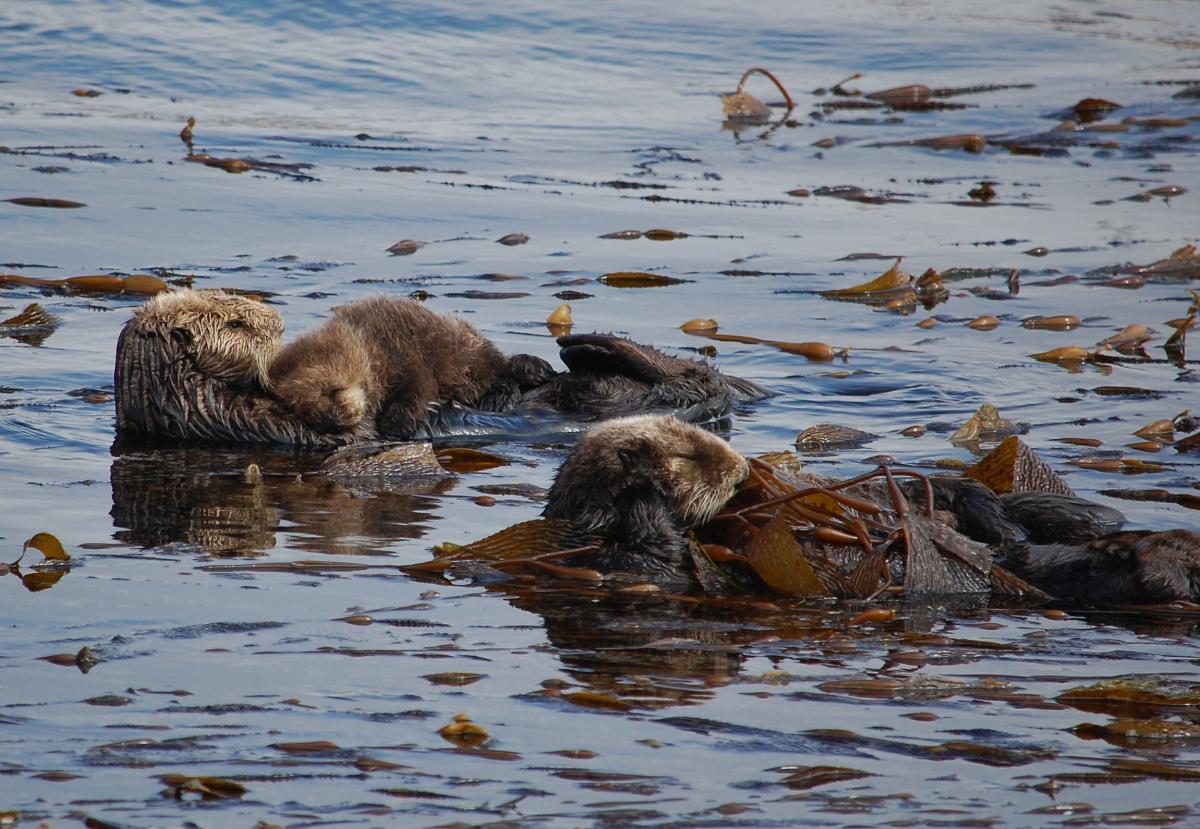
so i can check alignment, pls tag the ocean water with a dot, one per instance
(224, 655)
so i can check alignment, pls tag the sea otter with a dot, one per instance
(1131, 567)
(609, 376)
(393, 362)
(639, 483)
(193, 365)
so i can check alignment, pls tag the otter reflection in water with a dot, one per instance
(196, 365)
(200, 497)
(638, 485)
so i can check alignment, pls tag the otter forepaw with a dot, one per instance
(347, 406)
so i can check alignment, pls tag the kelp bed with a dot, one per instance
(802, 536)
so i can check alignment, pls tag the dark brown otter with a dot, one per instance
(639, 483)
(1016, 517)
(394, 362)
(192, 365)
(610, 376)
(1132, 567)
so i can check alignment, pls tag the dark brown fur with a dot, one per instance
(394, 362)
(611, 376)
(192, 365)
(1135, 567)
(640, 483)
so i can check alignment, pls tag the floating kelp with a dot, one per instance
(560, 318)
(207, 788)
(1183, 263)
(743, 108)
(967, 142)
(32, 326)
(700, 325)
(639, 279)
(987, 424)
(242, 165)
(38, 201)
(811, 350)
(848, 192)
(1014, 467)
(414, 460)
(405, 247)
(140, 284)
(882, 288)
(1058, 322)
(826, 436)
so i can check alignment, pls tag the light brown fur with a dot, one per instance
(646, 469)
(192, 365)
(389, 359)
(228, 337)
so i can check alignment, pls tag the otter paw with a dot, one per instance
(347, 406)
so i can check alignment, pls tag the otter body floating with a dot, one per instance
(192, 365)
(639, 483)
(393, 361)
(199, 365)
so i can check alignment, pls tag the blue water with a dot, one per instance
(518, 116)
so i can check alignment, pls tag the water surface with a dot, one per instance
(457, 125)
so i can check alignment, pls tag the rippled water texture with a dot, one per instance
(260, 633)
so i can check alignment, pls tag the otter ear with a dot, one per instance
(181, 336)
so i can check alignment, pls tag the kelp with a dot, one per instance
(786, 532)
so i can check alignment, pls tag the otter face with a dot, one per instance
(326, 377)
(228, 337)
(696, 470)
(705, 471)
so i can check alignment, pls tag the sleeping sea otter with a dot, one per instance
(393, 361)
(192, 364)
(639, 483)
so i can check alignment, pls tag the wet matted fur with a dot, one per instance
(640, 483)
(191, 365)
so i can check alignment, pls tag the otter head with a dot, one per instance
(227, 337)
(699, 471)
(646, 470)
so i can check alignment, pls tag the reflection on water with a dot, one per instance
(164, 498)
(320, 689)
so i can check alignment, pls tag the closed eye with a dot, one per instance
(235, 325)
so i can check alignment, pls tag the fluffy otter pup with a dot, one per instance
(393, 361)
(192, 364)
(640, 483)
